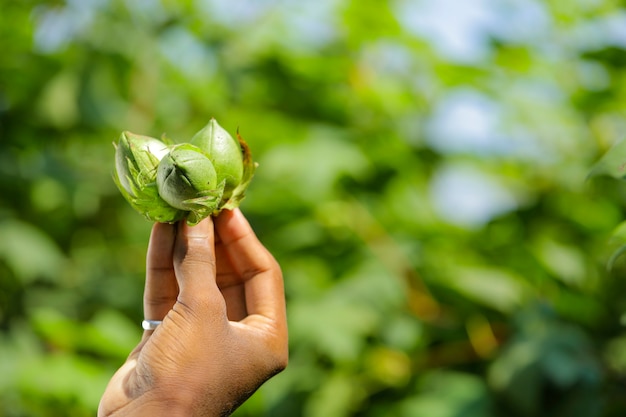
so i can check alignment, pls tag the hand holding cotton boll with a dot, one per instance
(214, 306)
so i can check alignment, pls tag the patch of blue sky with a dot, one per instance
(58, 26)
(186, 52)
(388, 57)
(151, 11)
(466, 121)
(600, 32)
(525, 22)
(461, 31)
(235, 13)
(311, 24)
(466, 196)
(93, 5)
(297, 25)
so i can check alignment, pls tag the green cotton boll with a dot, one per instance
(183, 174)
(136, 161)
(225, 153)
(186, 180)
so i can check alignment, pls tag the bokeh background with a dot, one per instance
(422, 182)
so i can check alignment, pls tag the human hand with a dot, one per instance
(219, 293)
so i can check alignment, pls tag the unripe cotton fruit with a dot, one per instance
(184, 174)
(136, 161)
(224, 152)
(142, 153)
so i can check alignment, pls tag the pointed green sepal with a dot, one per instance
(204, 205)
(249, 167)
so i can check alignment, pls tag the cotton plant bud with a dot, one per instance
(187, 180)
(225, 152)
(136, 160)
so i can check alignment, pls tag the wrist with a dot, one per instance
(181, 403)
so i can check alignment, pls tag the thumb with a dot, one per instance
(194, 266)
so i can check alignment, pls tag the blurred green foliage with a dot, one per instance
(421, 181)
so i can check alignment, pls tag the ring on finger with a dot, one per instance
(150, 324)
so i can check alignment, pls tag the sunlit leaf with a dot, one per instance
(29, 251)
(448, 394)
(617, 245)
(612, 163)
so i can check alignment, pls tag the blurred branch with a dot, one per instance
(420, 301)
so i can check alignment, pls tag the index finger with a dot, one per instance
(256, 267)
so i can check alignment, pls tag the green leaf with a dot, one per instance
(612, 163)
(615, 256)
(618, 243)
(448, 394)
(29, 252)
